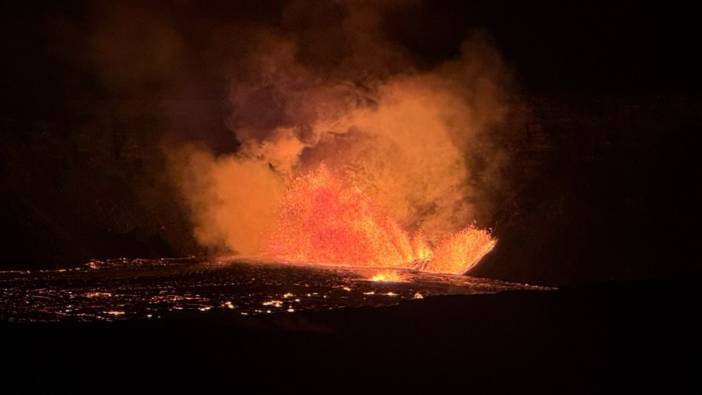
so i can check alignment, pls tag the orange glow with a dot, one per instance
(326, 220)
(388, 277)
(357, 170)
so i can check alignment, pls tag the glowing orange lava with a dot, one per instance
(324, 220)
(386, 277)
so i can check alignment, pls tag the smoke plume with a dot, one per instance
(339, 101)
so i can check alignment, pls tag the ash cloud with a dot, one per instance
(338, 94)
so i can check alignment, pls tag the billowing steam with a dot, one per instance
(360, 160)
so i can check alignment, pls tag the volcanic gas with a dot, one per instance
(367, 163)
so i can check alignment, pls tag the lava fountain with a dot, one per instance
(359, 166)
(326, 221)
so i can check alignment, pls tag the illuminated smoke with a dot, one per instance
(363, 160)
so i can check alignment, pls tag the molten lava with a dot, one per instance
(326, 220)
(387, 277)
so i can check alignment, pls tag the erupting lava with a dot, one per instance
(373, 162)
(325, 221)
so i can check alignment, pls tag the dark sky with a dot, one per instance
(81, 129)
(600, 47)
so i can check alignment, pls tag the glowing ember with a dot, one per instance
(326, 220)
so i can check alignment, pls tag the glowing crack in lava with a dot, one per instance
(387, 277)
(325, 221)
